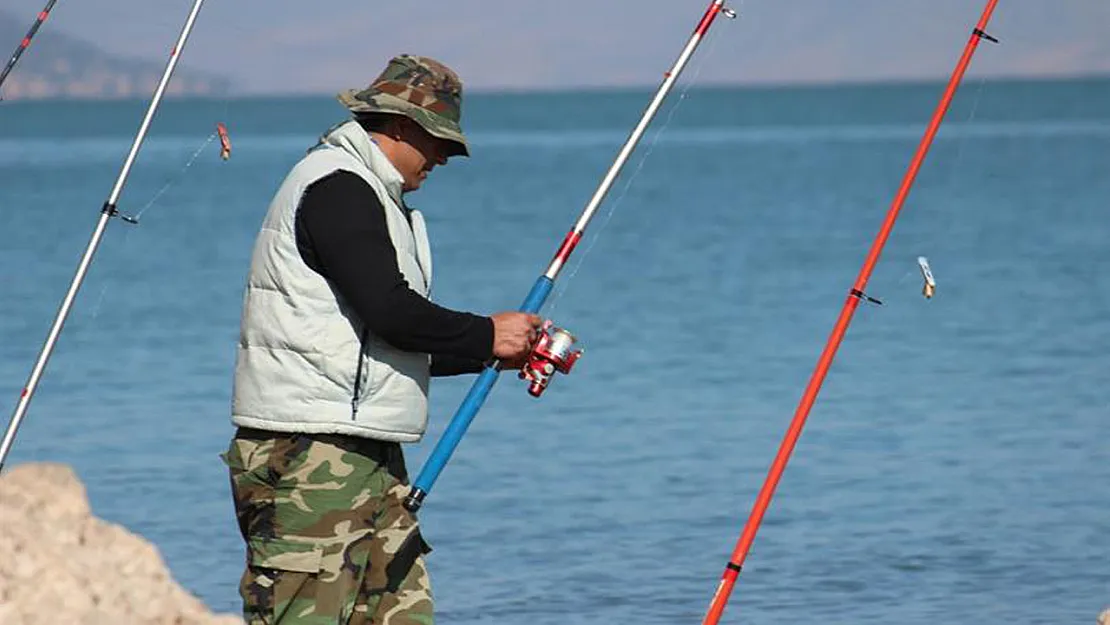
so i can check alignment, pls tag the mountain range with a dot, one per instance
(57, 65)
(289, 47)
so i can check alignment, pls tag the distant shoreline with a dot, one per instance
(756, 86)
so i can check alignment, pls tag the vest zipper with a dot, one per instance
(358, 375)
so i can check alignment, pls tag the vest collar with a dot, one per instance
(351, 138)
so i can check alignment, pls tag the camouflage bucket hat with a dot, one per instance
(422, 89)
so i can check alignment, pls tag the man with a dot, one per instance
(338, 341)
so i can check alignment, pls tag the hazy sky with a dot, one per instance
(328, 45)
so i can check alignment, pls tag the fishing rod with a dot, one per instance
(108, 211)
(732, 569)
(43, 14)
(554, 350)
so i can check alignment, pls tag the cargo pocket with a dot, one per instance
(281, 580)
(252, 488)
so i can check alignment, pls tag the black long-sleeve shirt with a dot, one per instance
(342, 235)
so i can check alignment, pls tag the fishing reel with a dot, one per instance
(552, 353)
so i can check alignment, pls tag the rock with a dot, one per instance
(61, 564)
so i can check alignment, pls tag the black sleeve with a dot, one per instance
(445, 364)
(343, 236)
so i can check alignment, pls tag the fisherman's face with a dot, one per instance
(418, 153)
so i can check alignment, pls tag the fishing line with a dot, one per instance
(929, 246)
(125, 245)
(949, 218)
(176, 177)
(555, 351)
(107, 211)
(950, 169)
(854, 297)
(711, 45)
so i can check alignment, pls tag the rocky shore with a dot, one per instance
(60, 564)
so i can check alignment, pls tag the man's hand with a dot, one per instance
(514, 334)
(518, 364)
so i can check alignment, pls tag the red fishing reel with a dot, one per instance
(552, 353)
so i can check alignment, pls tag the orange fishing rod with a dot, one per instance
(736, 562)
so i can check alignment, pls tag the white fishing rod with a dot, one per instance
(108, 211)
(554, 351)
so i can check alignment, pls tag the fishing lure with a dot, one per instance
(809, 396)
(930, 283)
(225, 141)
(107, 211)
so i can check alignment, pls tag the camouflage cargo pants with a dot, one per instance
(328, 541)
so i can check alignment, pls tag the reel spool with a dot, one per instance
(553, 353)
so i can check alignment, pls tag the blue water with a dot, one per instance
(956, 466)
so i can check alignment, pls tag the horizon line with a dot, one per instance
(752, 84)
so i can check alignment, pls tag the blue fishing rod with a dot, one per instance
(554, 351)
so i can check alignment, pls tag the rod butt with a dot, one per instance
(415, 499)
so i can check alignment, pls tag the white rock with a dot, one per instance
(60, 564)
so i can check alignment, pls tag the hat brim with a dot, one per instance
(436, 125)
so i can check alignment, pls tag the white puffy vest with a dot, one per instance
(305, 362)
